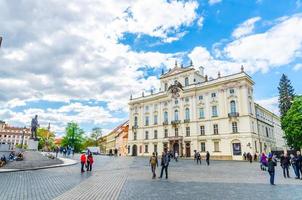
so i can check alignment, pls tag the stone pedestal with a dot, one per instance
(33, 144)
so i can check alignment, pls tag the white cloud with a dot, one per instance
(212, 2)
(278, 46)
(245, 28)
(271, 104)
(77, 112)
(298, 67)
(71, 51)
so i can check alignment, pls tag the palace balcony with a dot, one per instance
(134, 126)
(165, 123)
(175, 122)
(187, 121)
(233, 114)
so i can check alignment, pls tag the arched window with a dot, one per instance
(135, 121)
(187, 113)
(176, 115)
(166, 116)
(233, 106)
(186, 81)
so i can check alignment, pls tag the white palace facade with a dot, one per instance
(191, 112)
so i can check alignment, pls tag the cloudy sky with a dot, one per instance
(80, 60)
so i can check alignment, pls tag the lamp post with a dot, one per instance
(23, 132)
(0, 41)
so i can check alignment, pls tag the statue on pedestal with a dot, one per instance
(34, 128)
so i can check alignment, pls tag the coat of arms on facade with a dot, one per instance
(175, 89)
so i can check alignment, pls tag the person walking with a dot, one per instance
(244, 156)
(293, 160)
(165, 159)
(285, 163)
(263, 162)
(89, 162)
(57, 151)
(154, 163)
(83, 162)
(198, 158)
(208, 158)
(176, 156)
(271, 169)
(299, 164)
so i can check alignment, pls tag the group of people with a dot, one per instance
(165, 160)
(86, 161)
(197, 157)
(269, 162)
(249, 157)
(66, 151)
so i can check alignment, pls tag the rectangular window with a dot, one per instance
(155, 119)
(176, 132)
(202, 147)
(134, 136)
(187, 99)
(146, 135)
(202, 130)
(146, 148)
(155, 148)
(232, 91)
(187, 131)
(214, 111)
(155, 134)
(201, 113)
(234, 127)
(147, 121)
(147, 108)
(166, 133)
(216, 146)
(215, 127)
(213, 95)
(266, 130)
(200, 97)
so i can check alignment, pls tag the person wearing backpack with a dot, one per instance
(153, 162)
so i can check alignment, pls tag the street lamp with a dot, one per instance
(23, 132)
(0, 41)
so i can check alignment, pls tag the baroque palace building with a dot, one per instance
(13, 135)
(191, 112)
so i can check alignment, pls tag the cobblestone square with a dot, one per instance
(130, 178)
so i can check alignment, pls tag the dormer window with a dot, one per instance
(186, 81)
(232, 91)
(166, 86)
(213, 95)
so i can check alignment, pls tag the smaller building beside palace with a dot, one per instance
(193, 112)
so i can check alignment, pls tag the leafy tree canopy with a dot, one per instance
(292, 124)
(74, 137)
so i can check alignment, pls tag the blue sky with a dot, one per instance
(67, 62)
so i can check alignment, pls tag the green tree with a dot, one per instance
(46, 139)
(74, 137)
(96, 134)
(292, 124)
(286, 94)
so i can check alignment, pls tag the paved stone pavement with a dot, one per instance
(130, 178)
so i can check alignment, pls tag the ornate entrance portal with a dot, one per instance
(175, 144)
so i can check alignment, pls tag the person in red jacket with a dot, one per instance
(89, 162)
(83, 162)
